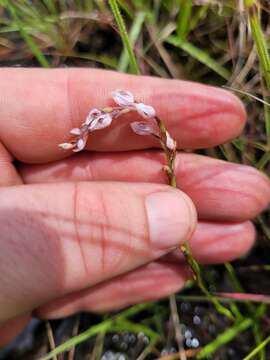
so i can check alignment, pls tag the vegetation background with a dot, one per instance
(223, 43)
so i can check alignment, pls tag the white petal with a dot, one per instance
(94, 113)
(80, 145)
(123, 97)
(170, 142)
(145, 110)
(66, 146)
(75, 131)
(101, 122)
(142, 128)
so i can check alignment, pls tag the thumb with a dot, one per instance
(60, 238)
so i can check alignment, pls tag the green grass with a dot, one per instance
(161, 38)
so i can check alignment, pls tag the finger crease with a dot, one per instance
(75, 221)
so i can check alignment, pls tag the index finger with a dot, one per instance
(38, 107)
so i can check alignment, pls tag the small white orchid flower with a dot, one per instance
(100, 122)
(80, 144)
(146, 111)
(170, 142)
(75, 131)
(123, 97)
(143, 128)
(94, 113)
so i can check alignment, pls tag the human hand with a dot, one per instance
(98, 231)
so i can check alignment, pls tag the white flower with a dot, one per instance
(143, 128)
(66, 146)
(126, 99)
(123, 97)
(99, 119)
(145, 110)
(100, 122)
(94, 113)
(80, 144)
(75, 131)
(170, 142)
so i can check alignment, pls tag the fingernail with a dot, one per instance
(171, 217)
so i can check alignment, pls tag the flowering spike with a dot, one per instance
(98, 119)
(123, 97)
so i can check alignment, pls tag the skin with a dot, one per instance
(75, 231)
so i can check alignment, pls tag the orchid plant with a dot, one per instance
(151, 125)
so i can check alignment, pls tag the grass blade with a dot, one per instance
(224, 338)
(94, 330)
(124, 35)
(257, 349)
(183, 21)
(27, 38)
(133, 36)
(199, 55)
(262, 50)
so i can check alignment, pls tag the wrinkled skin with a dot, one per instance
(75, 231)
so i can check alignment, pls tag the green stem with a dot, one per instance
(27, 38)
(124, 35)
(224, 338)
(195, 267)
(94, 330)
(257, 349)
(262, 50)
(184, 17)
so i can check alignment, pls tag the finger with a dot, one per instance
(220, 190)
(9, 175)
(44, 105)
(211, 243)
(216, 243)
(149, 283)
(60, 238)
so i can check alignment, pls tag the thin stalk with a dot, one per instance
(262, 50)
(263, 161)
(50, 337)
(27, 38)
(183, 21)
(170, 170)
(257, 349)
(238, 287)
(258, 339)
(200, 298)
(133, 36)
(94, 330)
(195, 267)
(224, 338)
(124, 36)
(199, 280)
